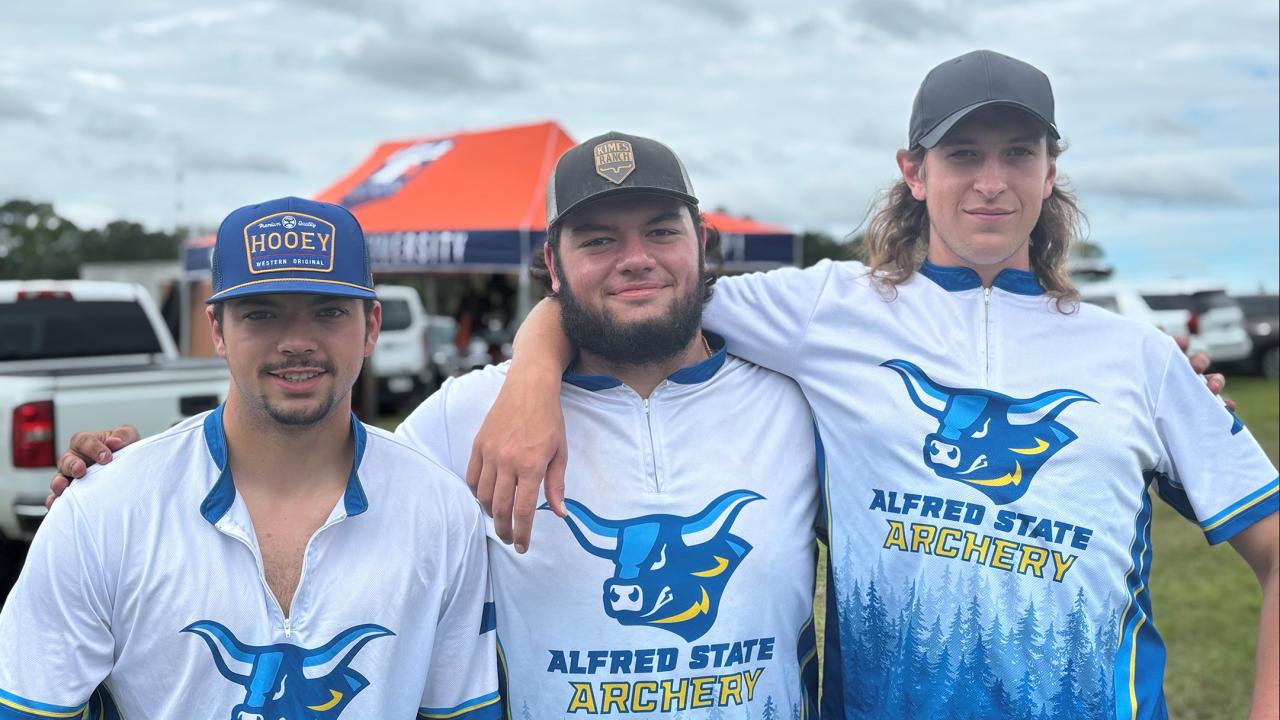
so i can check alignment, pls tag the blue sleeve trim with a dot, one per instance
(485, 707)
(16, 707)
(1248, 510)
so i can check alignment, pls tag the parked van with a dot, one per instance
(400, 359)
(1124, 299)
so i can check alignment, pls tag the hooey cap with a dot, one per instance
(291, 245)
(611, 164)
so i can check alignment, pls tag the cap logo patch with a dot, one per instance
(614, 160)
(288, 242)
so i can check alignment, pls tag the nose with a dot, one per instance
(990, 180)
(298, 338)
(624, 597)
(636, 257)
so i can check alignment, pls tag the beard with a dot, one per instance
(303, 417)
(644, 342)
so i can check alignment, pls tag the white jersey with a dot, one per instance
(681, 584)
(990, 463)
(143, 596)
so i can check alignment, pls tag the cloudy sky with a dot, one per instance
(171, 112)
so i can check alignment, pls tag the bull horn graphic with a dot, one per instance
(338, 652)
(925, 393)
(721, 512)
(1044, 406)
(225, 647)
(596, 535)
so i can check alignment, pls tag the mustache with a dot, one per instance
(298, 364)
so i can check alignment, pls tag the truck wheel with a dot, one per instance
(1270, 363)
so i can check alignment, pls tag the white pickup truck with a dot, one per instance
(83, 355)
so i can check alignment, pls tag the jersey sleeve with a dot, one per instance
(763, 316)
(55, 638)
(427, 428)
(462, 683)
(1213, 470)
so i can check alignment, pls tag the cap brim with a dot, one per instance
(628, 190)
(294, 286)
(934, 136)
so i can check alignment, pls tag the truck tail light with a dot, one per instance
(1193, 324)
(33, 435)
(44, 295)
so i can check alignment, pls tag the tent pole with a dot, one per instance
(522, 292)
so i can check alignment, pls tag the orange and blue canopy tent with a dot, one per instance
(476, 202)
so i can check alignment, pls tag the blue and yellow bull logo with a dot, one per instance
(992, 442)
(669, 571)
(286, 681)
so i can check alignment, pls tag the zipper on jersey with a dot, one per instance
(986, 337)
(286, 621)
(653, 454)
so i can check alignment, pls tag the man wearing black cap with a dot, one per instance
(272, 558)
(992, 445)
(681, 578)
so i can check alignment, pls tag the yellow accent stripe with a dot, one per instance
(1133, 661)
(693, 611)
(310, 280)
(463, 711)
(1039, 448)
(1244, 507)
(721, 564)
(82, 711)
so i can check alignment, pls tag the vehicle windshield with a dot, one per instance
(59, 328)
(395, 315)
(441, 333)
(1194, 302)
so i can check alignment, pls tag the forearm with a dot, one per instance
(1266, 685)
(540, 343)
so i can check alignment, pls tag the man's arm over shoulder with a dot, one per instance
(462, 683)
(444, 425)
(56, 644)
(764, 316)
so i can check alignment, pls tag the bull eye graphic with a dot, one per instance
(991, 442)
(670, 572)
(286, 681)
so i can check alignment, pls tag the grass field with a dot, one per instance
(1206, 599)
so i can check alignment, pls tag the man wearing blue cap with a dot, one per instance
(265, 559)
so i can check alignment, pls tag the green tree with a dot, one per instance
(35, 242)
(818, 246)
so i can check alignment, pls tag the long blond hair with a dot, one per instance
(897, 237)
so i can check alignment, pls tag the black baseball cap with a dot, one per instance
(612, 164)
(975, 80)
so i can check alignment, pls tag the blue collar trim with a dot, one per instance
(955, 278)
(698, 372)
(218, 501)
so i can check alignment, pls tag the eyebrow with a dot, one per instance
(662, 217)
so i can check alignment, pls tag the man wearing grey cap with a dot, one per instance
(992, 445)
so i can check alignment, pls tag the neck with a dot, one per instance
(940, 254)
(268, 457)
(643, 378)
